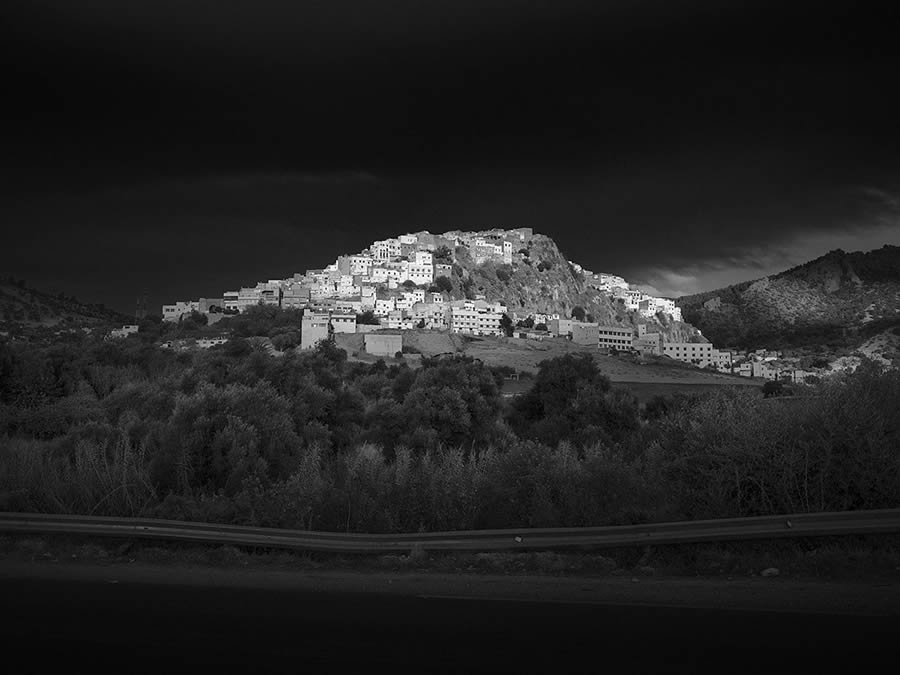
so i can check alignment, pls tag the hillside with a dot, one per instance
(841, 300)
(541, 279)
(23, 308)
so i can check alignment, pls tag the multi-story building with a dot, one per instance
(723, 360)
(294, 296)
(384, 305)
(560, 327)
(468, 317)
(262, 294)
(415, 295)
(354, 264)
(417, 273)
(315, 327)
(648, 343)
(367, 295)
(398, 319)
(647, 307)
(343, 322)
(615, 337)
(633, 299)
(230, 301)
(433, 314)
(442, 270)
(584, 333)
(698, 353)
(386, 249)
(179, 309)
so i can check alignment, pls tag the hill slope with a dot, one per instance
(23, 308)
(839, 298)
(541, 279)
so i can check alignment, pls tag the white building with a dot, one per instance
(433, 314)
(477, 320)
(384, 306)
(230, 301)
(698, 353)
(124, 331)
(314, 328)
(206, 343)
(442, 270)
(615, 337)
(399, 320)
(179, 309)
(418, 273)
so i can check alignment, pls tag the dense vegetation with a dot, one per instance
(233, 434)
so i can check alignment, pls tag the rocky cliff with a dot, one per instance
(541, 279)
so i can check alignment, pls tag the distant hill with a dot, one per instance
(840, 299)
(541, 279)
(24, 308)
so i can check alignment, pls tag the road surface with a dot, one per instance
(115, 621)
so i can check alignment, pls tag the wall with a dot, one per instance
(383, 345)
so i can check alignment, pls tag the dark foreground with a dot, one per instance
(119, 624)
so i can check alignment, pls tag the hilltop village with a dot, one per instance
(404, 283)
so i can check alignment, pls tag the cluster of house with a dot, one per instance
(770, 365)
(632, 299)
(638, 339)
(392, 278)
(476, 317)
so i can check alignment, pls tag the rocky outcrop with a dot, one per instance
(820, 301)
(541, 279)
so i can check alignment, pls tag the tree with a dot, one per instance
(528, 322)
(443, 284)
(409, 284)
(421, 323)
(541, 326)
(193, 321)
(443, 254)
(367, 318)
(572, 400)
(578, 313)
(773, 388)
(506, 325)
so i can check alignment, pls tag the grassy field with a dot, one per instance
(645, 377)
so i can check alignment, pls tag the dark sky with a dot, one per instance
(186, 147)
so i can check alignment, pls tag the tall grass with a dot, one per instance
(95, 478)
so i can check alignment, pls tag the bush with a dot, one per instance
(443, 284)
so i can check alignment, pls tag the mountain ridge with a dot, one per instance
(25, 308)
(832, 297)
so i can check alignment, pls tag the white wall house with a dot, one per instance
(180, 308)
(467, 318)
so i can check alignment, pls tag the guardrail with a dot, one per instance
(885, 521)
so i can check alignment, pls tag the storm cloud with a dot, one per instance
(184, 148)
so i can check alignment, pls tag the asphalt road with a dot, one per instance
(126, 627)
